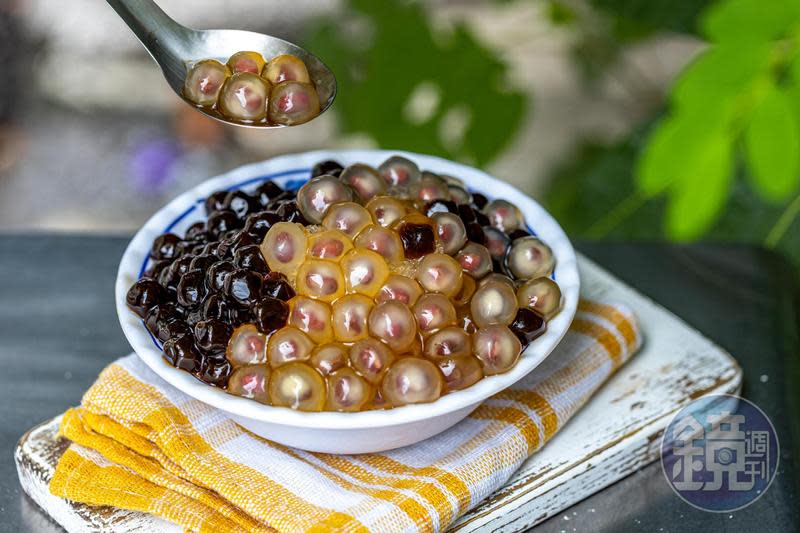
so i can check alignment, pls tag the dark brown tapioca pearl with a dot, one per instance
(497, 242)
(174, 329)
(215, 371)
(159, 317)
(440, 206)
(289, 212)
(250, 257)
(166, 246)
(144, 295)
(170, 277)
(527, 326)
(479, 200)
(327, 167)
(194, 316)
(277, 286)
(196, 232)
(418, 235)
(203, 262)
(279, 200)
(243, 286)
(182, 353)
(241, 203)
(216, 307)
(214, 202)
(466, 213)
(216, 273)
(258, 224)
(212, 248)
(267, 191)
(482, 219)
(475, 233)
(518, 234)
(237, 239)
(270, 314)
(192, 289)
(212, 336)
(155, 268)
(220, 222)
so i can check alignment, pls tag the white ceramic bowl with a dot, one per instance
(368, 431)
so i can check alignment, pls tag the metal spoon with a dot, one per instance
(175, 47)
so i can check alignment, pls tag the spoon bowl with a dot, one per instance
(175, 48)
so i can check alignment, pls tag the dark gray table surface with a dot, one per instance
(58, 329)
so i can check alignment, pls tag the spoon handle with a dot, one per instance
(164, 38)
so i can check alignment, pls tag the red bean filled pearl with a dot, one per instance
(204, 82)
(497, 348)
(293, 103)
(412, 380)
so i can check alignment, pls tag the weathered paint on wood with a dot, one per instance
(616, 433)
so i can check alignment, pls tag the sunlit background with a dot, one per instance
(574, 101)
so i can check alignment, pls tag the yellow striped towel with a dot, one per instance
(138, 443)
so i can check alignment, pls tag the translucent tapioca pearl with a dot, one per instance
(399, 172)
(464, 294)
(464, 320)
(318, 194)
(529, 258)
(493, 303)
(244, 97)
(347, 391)
(504, 215)
(496, 276)
(475, 259)
(384, 241)
(440, 273)
(412, 380)
(417, 233)
(394, 324)
(284, 247)
(448, 342)
(460, 373)
(350, 315)
(204, 82)
(364, 271)
(370, 358)
(293, 103)
(330, 244)
(247, 346)
(288, 344)
(320, 279)
(251, 62)
(285, 68)
(401, 289)
(497, 348)
(434, 311)
(348, 217)
(430, 187)
(298, 386)
(364, 180)
(330, 357)
(451, 232)
(541, 295)
(497, 242)
(459, 194)
(386, 210)
(312, 317)
(250, 382)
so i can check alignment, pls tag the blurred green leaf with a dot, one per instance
(738, 21)
(676, 149)
(702, 191)
(718, 75)
(385, 53)
(772, 145)
(658, 14)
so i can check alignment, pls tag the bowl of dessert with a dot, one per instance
(347, 301)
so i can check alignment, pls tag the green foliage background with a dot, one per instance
(720, 160)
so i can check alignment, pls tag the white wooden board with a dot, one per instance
(616, 433)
